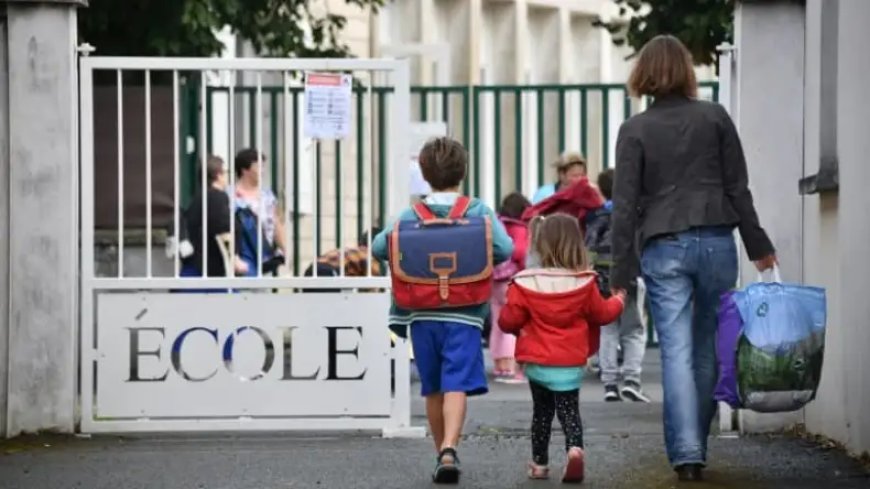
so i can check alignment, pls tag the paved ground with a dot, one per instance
(623, 443)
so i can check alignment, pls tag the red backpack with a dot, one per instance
(441, 262)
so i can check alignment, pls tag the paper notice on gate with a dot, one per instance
(327, 105)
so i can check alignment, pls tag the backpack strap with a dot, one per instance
(424, 213)
(460, 207)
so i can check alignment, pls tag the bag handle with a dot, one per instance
(460, 207)
(774, 272)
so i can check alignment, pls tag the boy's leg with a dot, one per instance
(543, 410)
(462, 375)
(454, 407)
(633, 341)
(568, 411)
(425, 341)
(608, 358)
(435, 415)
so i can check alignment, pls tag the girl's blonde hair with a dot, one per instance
(558, 241)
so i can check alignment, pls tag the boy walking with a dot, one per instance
(447, 341)
(628, 332)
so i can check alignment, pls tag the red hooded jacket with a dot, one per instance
(557, 315)
(577, 200)
(519, 233)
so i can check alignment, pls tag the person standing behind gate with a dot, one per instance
(571, 167)
(681, 187)
(447, 341)
(628, 332)
(217, 223)
(254, 203)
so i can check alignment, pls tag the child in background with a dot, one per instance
(628, 332)
(447, 342)
(502, 345)
(556, 311)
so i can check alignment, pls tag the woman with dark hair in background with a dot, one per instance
(681, 188)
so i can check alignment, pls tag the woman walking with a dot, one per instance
(681, 188)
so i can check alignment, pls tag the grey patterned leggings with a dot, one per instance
(546, 404)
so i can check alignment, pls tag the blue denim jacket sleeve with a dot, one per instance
(502, 244)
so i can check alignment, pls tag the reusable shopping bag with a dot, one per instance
(779, 347)
(730, 327)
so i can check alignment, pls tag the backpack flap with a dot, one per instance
(441, 262)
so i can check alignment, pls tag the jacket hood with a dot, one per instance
(556, 295)
(509, 221)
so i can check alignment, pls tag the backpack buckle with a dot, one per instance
(443, 265)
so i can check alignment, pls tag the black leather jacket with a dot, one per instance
(679, 165)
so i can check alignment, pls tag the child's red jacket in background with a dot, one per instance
(577, 200)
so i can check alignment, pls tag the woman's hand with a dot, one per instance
(767, 262)
(620, 294)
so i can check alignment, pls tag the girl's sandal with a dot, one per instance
(538, 472)
(447, 468)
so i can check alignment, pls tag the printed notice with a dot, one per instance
(327, 105)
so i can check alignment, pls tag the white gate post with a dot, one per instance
(43, 215)
(397, 200)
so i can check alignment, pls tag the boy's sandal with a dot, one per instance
(447, 471)
(538, 472)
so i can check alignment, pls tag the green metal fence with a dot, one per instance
(463, 109)
(499, 124)
(513, 134)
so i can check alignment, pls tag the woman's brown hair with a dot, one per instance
(558, 242)
(664, 67)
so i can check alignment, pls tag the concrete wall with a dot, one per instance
(770, 120)
(43, 215)
(4, 221)
(841, 263)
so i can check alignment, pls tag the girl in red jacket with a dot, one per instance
(501, 344)
(556, 312)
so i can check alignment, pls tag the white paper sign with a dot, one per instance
(420, 133)
(327, 105)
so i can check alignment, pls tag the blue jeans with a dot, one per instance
(685, 274)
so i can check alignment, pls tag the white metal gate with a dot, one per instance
(159, 353)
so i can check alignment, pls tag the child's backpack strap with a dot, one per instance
(424, 213)
(460, 207)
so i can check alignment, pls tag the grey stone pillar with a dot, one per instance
(42, 162)
(769, 39)
(4, 219)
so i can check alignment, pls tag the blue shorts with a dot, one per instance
(449, 357)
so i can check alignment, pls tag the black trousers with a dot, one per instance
(546, 404)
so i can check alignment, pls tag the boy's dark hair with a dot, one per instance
(513, 205)
(444, 163)
(605, 183)
(364, 238)
(246, 159)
